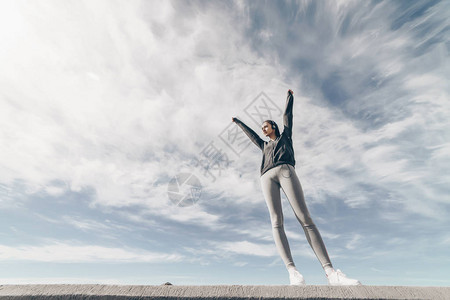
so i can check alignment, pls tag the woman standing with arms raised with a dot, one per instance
(277, 171)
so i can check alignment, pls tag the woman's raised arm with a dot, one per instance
(287, 116)
(254, 137)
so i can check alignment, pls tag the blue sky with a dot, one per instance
(105, 104)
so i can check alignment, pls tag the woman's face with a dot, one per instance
(267, 128)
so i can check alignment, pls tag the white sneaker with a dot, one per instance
(339, 278)
(296, 278)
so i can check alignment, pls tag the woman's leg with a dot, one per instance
(271, 190)
(293, 190)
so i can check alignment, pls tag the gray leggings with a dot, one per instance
(284, 176)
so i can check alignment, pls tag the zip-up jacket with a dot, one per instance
(280, 150)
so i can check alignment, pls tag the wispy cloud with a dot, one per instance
(377, 96)
(70, 253)
(249, 248)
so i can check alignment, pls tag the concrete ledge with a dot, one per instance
(99, 291)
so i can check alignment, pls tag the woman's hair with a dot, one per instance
(277, 131)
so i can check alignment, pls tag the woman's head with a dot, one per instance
(269, 128)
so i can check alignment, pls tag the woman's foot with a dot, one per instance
(295, 277)
(336, 277)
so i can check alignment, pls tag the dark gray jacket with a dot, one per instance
(279, 151)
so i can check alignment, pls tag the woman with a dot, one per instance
(277, 170)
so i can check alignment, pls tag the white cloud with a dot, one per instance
(354, 242)
(84, 224)
(249, 248)
(70, 253)
(95, 102)
(379, 135)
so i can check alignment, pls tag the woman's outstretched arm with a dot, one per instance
(250, 133)
(287, 116)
